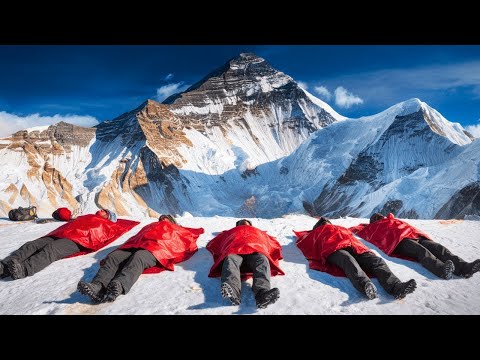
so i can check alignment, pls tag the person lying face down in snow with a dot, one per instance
(242, 252)
(335, 250)
(85, 234)
(400, 239)
(155, 248)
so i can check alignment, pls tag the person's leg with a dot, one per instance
(377, 266)
(345, 261)
(111, 265)
(54, 250)
(231, 281)
(130, 272)
(442, 253)
(28, 249)
(260, 267)
(108, 269)
(421, 253)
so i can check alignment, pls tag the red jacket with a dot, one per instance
(316, 245)
(92, 231)
(169, 243)
(244, 239)
(387, 233)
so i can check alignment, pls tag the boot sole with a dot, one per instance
(409, 289)
(228, 293)
(269, 299)
(371, 292)
(85, 290)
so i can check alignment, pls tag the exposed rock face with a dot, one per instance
(465, 202)
(38, 150)
(248, 93)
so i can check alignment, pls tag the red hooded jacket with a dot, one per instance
(244, 239)
(316, 245)
(92, 232)
(387, 233)
(169, 243)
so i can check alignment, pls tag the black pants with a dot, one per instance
(126, 266)
(36, 255)
(354, 265)
(256, 263)
(430, 255)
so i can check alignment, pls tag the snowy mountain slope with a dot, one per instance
(188, 290)
(155, 158)
(358, 166)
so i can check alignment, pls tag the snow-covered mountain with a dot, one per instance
(408, 160)
(246, 140)
(186, 154)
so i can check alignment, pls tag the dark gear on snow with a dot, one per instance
(23, 214)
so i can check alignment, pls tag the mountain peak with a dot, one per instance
(245, 59)
(409, 106)
(239, 72)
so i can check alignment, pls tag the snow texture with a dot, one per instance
(188, 290)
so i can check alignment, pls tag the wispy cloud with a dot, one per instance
(11, 123)
(169, 77)
(345, 99)
(323, 92)
(166, 90)
(388, 85)
(303, 85)
(474, 130)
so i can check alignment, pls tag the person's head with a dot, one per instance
(243, 222)
(62, 214)
(375, 217)
(107, 214)
(168, 218)
(322, 221)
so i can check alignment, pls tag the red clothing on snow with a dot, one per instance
(169, 243)
(387, 233)
(242, 240)
(316, 245)
(92, 232)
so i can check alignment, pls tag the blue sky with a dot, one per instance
(86, 84)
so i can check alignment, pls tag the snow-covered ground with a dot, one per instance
(188, 290)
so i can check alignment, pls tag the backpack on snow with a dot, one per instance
(23, 214)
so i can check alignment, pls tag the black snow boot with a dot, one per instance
(16, 269)
(3, 271)
(403, 289)
(370, 290)
(94, 290)
(448, 269)
(266, 297)
(228, 292)
(114, 289)
(471, 269)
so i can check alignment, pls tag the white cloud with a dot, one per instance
(323, 92)
(387, 86)
(474, 130)
(345, 99)
(165, 91)
(169, 77)
(303, 85)
(11, 123)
